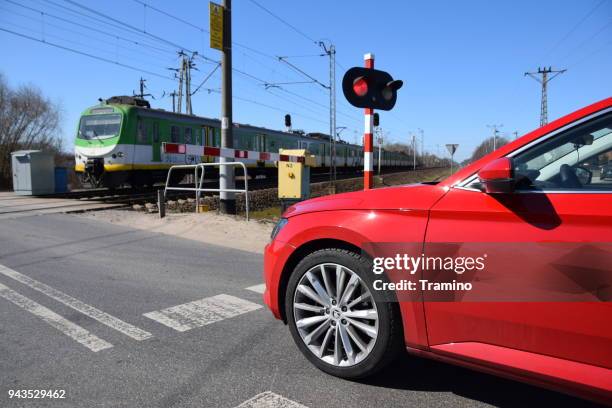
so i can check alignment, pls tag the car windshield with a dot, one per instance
(99, 126)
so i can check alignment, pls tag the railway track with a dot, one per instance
(130, 196)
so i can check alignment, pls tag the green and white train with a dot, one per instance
(121, 141)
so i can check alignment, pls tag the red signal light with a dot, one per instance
(360, 86)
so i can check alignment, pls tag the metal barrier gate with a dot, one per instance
(199, 181)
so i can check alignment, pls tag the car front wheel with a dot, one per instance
(334, 319)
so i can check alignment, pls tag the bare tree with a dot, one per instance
(486, 147)
(28, 120)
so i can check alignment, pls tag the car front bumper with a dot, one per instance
(276, 254)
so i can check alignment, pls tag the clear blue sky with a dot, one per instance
(462, 62)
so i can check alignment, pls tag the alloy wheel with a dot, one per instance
(335, 314)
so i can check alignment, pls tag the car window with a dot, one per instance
(578, 159)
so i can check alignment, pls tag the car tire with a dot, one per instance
(378, 353)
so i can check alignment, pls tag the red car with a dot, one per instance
(533, 191)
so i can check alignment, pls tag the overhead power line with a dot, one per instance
(85, 54)
(129, 26)
(171, 16)
(285, 22)
(106, 33)
(206, 78)
(575, 27)
(299, 70)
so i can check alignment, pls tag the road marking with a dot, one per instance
(269, 399)
(70, 329)
(99, 315)
(202, 312)
(261, 288)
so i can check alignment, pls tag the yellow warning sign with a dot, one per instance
(216, 26)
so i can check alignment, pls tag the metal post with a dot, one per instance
(181, 80)
(161, 203)
(380, 146)
(332, 103)
(227, 203)
(413, 152)
(368, 137)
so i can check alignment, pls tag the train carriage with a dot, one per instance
(122, 141)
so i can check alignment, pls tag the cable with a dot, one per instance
(85, 54)
(206, 79)
(587, 40)
(570, 32)
(131, 27)
(80, 14)
(294, 28)
(172, 16)
(302, 72)
(80, 34)
(42, 12)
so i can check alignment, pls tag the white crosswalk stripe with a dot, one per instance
(70, 329)
(269, 399)
(261, 288)
(99, 315)
(202, 312)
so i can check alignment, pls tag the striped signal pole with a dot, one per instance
(368, 137)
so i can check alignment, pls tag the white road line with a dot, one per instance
(70, 329)
(261, 288)
(99, 315)
(269, 399)
(202, 312)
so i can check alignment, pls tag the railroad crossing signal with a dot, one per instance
(216, 26)
(370, 88)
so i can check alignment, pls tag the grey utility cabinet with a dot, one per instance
(33, 172)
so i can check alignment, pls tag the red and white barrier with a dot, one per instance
(368, 137)
(195, 150)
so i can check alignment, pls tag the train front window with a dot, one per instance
(99, 126)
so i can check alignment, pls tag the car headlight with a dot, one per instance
(279, 226)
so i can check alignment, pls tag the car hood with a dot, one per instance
(406, 197)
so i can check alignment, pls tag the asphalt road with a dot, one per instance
(71, 286)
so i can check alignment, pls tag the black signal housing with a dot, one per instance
(370, 88)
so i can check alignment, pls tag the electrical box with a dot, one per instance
(33, 172)
(294, 177)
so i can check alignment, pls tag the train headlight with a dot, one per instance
(119, 154)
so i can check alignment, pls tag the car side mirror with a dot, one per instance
(497, 176)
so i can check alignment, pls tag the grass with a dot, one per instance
(267, 214)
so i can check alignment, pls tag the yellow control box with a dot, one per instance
(293, 177)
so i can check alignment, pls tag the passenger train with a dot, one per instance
(121, 141)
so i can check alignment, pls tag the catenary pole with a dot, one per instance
(227, 203)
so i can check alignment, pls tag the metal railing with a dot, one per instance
(199, 170)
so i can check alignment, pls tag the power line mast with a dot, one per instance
(331, 52)
(179, 94)
(544, 80)
(184, 77)
(495, 135)
(227, 200)
(141, 95)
